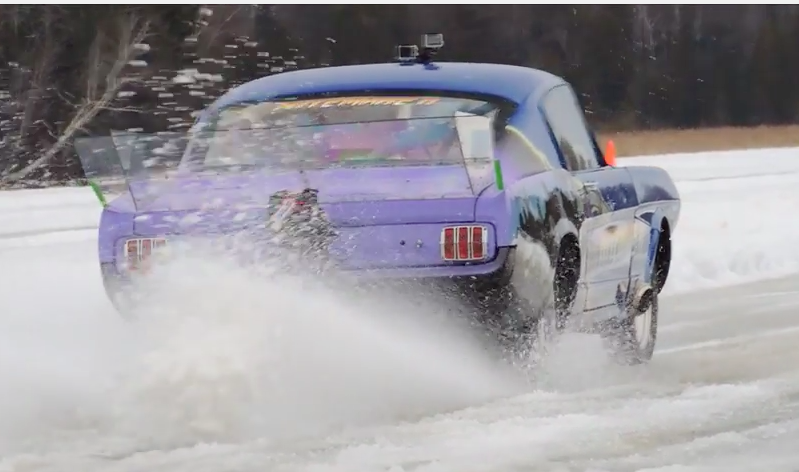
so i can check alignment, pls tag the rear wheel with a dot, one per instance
(525, 327)
(511, 323)
(564, 287)
(538, 327)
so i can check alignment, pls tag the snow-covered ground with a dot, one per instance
(229, 371)
(737, 223)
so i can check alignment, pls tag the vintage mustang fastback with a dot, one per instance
(485, 176)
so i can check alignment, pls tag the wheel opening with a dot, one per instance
(567, 273)
(662, 257)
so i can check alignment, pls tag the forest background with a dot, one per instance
(655, 78)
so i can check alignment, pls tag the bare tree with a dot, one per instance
(636, 66)
(112, 52)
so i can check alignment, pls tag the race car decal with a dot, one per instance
(608, 241)
(355, 101)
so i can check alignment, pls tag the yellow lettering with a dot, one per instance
(355, 102)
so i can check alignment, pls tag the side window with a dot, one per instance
(564, 115)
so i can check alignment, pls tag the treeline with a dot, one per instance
(69, 71)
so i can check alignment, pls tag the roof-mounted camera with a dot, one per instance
(411, 53)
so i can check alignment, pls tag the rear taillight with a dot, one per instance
(464, 243)
(138, 252)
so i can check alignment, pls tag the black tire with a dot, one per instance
(530, 331)
(537, 328)
(509, 323)
(567, 275)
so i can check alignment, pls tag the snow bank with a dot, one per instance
(29, 212)
(723, 164)
(737, 221)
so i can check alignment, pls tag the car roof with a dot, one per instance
(512, 83)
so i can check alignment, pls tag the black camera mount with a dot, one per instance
(412, 53)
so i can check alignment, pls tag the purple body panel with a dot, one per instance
(389, 220)
(334, 185)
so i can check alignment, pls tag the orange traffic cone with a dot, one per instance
(610, 153)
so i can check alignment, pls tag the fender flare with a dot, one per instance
(656, 222)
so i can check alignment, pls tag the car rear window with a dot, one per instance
(342, 110)
(353, 130)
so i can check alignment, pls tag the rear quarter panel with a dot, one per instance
(543, 199)
(115, 226)
(542, 205)
(539, 211)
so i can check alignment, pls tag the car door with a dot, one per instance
(608, 198)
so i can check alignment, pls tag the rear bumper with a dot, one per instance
(447, 272)
(492, 273)
(483, 292)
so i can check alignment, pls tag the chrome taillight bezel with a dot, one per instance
(136, 252)
(475, 248)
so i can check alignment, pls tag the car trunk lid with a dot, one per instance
(384, 218)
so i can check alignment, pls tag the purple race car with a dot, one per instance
(478, 178)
